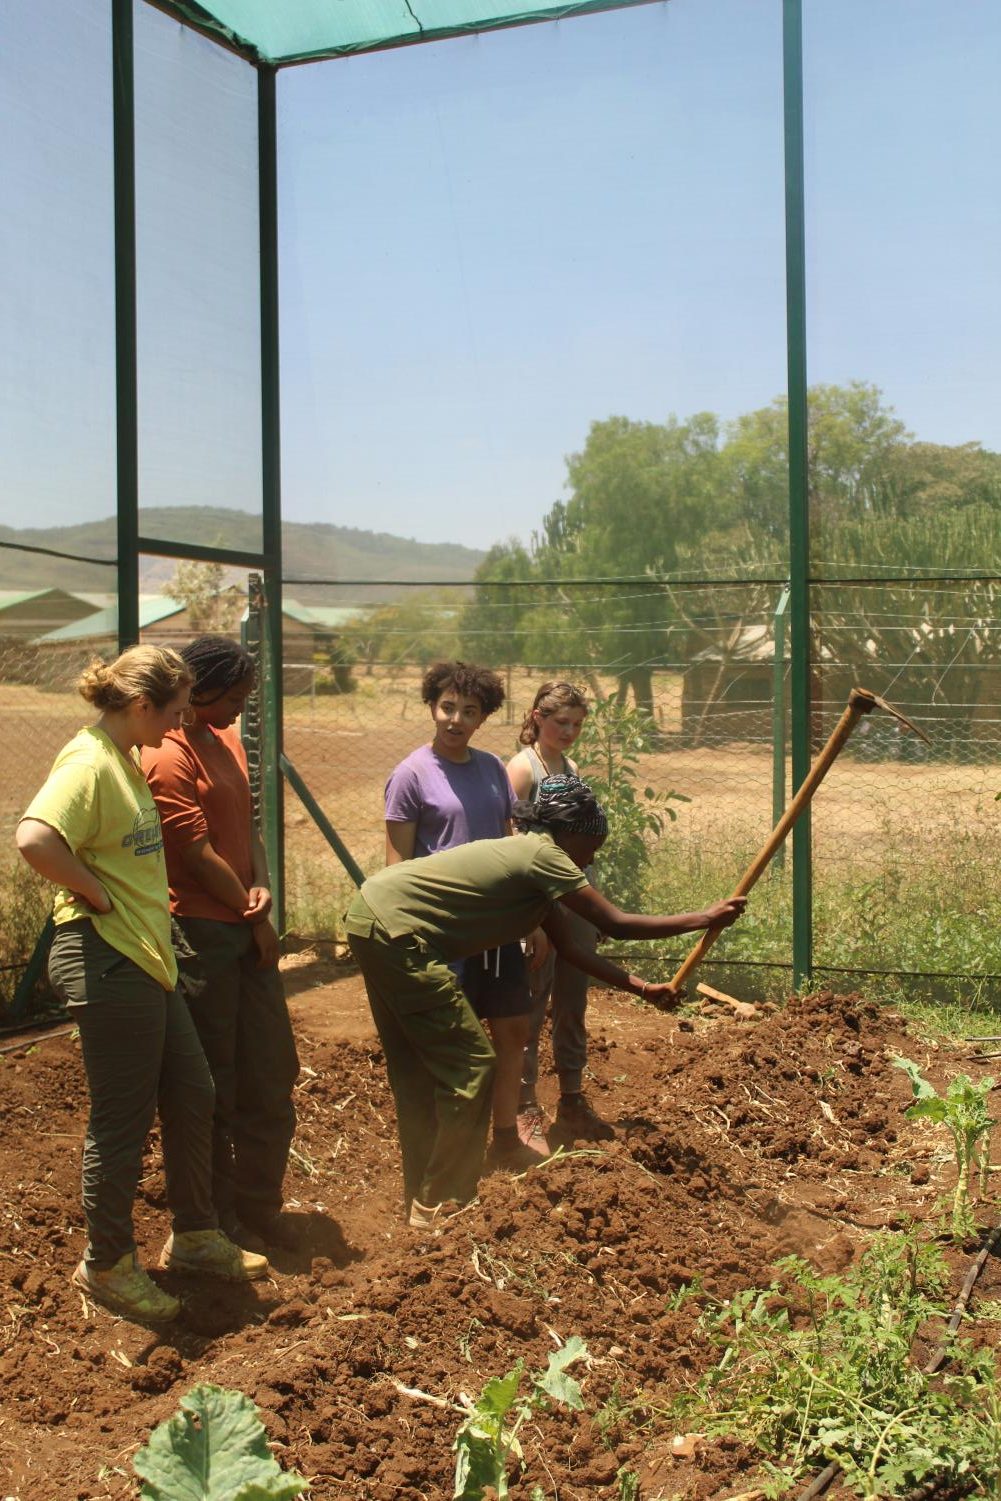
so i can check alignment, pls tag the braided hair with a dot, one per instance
(565, 805)
(218, 664)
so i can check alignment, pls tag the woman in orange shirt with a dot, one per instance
(218, 878)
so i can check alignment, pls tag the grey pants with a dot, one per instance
(568, 987)
(141, 1053)
(241, 1017)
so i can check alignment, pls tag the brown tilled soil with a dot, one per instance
(738, 1142)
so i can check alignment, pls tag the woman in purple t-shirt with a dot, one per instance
(446, 794)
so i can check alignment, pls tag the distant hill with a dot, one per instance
(314, 551)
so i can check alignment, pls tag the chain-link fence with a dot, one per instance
(904, 833)
(39, 711)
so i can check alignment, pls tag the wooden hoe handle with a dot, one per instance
(860, 701)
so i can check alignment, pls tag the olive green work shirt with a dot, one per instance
(475, 897)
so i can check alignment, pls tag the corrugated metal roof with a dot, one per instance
(11, 597)
(152, 608)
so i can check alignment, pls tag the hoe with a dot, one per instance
(860, 702)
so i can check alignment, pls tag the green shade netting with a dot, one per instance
(282, 31)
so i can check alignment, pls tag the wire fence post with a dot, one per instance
(126, 358)
(779, 719)
(799, 492)
(272, 706)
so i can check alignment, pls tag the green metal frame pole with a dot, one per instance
(272, 784)
(126, 359)
(799, 513)
(779, 718)
(322, 822)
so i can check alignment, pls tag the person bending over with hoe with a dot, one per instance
(448, 794)
(93, 831)
(409, 923)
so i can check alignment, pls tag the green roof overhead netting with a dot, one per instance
(289, 31)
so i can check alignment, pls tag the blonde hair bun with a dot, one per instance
(153, 672)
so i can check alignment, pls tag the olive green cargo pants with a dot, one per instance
(141, 1054)
(242, 1020)
(438, 1057)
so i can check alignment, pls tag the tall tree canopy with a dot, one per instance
(653, 503)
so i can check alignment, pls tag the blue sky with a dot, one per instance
(487, 244)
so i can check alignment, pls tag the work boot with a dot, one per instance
(211, 1253)
(242, 1235)
(272, 1228)
(126, 1289)
(576, 1121)
(510, 1155)
(533, 1127)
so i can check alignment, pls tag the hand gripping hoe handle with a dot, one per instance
(860, 701)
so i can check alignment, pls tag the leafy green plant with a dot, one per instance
(628, 1484)
(608, 752)
(214, 1449)
(963, 1110)
(818, 1368)
(487, 1443)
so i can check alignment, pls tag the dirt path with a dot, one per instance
(738, 1141)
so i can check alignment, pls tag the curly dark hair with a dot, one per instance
(466, 679)
(565, 805)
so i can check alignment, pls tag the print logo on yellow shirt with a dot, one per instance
(146, 837)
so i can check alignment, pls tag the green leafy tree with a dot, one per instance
(636, 490)
(925, 645)
(853, 444)
(201, 589)
(490, 625)
(608, 752)
(656, 502)
(416, 630)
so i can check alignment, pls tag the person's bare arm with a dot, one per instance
(401, 841)
(557, 929)
(47, 852)
(260, 890)
(519, 774)
(617, 924)
(614, 923)
(216, 876)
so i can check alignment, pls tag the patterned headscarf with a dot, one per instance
(565, 805)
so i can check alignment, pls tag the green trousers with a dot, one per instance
(141, 1055)
(438, 1057)
(242, 1020)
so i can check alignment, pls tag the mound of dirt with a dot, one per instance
(738, 1142)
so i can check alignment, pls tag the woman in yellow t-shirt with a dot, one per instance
(94, 831)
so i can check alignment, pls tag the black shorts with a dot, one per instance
(496, 982)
